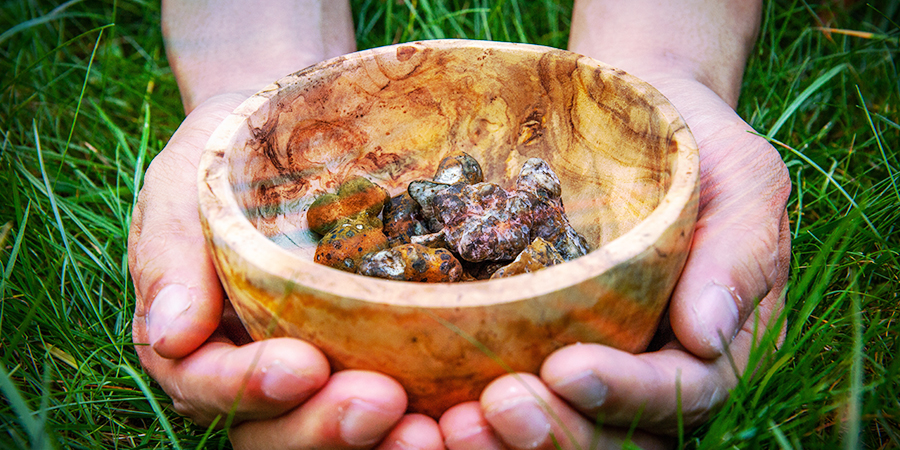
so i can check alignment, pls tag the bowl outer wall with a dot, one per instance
(444, 342)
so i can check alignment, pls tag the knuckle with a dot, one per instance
(750, 177)
(772, 171)
(156, 368)
(166, 168)
(184, 405)
(699, 408)
(162, 245)
(189, 410)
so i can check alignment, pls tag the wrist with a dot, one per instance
(707, 41)
(220, 46)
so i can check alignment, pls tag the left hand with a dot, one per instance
(732, 286)
(280, 392)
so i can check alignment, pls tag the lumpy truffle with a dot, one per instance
(454, 227)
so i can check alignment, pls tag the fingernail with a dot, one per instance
(168, 307)
(717, 311)
(281, 383)
(399, 444)
(521, 422)
(584, 390)
(363, 423)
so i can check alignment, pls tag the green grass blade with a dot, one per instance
(799, 191)
(37, 63)
(81, 286)
(679, 411)
(798, 102)
(890, 122)
(887, 164)
(833, 182)
(813, 283)
(37, 433)
(120, 135)
(87, 77)
(518, 22)
(14, 252)
(854, 406)
(52, 15)
(780, 437)
(173, 440)
(209, 431)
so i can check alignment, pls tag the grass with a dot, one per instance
(87, 99)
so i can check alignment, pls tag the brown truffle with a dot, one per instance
(412, 262)
(403, 219)
(482, 221)
(458, 168)
(538, 255)
(345, 245)
(354, 196)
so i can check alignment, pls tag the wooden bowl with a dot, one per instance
(626, 160)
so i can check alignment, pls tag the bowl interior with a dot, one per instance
(392, 114)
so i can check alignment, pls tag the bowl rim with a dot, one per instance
(228, 229)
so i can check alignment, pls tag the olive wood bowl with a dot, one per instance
(629, 171)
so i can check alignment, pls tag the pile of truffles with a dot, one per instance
(454, 227)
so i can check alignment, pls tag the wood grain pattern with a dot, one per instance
(627, 163)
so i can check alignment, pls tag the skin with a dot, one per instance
(694, 53)
(194, 349)
(188, 340)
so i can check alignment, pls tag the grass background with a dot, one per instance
(87, 99)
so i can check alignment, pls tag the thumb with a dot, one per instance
(179, 298)
(741, 247)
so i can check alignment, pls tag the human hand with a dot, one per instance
(735, 273)
(189, 340)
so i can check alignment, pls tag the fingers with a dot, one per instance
(465, 428)
(179, 298)
(355, 409)
(618, 387)
(259, 380)
(519, 412)
(180, 301)
(741, 246)
(414, 432)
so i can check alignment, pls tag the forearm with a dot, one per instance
(707, 40)
(218, 46)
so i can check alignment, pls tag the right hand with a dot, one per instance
(740, 248)
(280, 391)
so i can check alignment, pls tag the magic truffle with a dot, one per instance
(454, 227)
